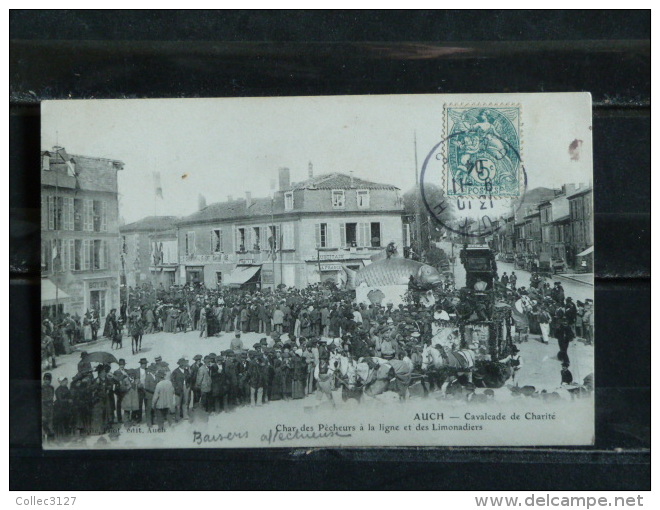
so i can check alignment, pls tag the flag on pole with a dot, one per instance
(158, 187)
(271, 243)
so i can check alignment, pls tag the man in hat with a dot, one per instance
(181, 382)
(278, 319)
(47, 405)
(122, 386)
(218, 386)
(231, 378)
(570, 312)
(236, 343)
(255, 377)
(196, 394)
(83, 365)
(563, 333)
(163, 399)
(514, 360)
(544, 320)
(146, 385)
(558, 293)
(310, 362)
(588, 321)
(204, 384)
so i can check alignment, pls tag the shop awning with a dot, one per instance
(241, 275)
(586, 252)
(51, 293)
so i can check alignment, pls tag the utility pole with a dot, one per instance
(418, 198)
(273, 236)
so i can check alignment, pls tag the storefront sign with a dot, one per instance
(332, 256)
(202, 259)
(246, 261)
(330, 267)
(99, 284)
(267, 277)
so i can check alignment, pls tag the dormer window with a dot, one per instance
(363, 198)
(338, 199)
(288, 201)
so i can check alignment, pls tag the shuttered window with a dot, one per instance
(190, 243)
(44, 212)
(216, 241)
(104, 216)
(288, 241)
(363, 235)
(88, 215)
(51, 213)
(86, 259)
(72, 254)
(68, 214)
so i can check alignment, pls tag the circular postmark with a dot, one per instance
(470, 183)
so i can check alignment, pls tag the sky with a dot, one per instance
(221, 147)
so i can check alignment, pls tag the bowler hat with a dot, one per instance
(143, 361)
(121, 362)
(197, 357)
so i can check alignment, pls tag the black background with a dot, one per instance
(136, 54)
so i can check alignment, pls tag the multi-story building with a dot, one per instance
(165, 258)
(533, 232)
(554, 218)
(581, 218)
(302, 235)
(139, 249)
(560, 238)
(79, 233)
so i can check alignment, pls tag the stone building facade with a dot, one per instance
(142, 244)
(79, 233)
(305, 233)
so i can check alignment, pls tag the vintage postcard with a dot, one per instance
(351, 271)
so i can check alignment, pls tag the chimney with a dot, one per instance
(201, 202)
(310, 170)
(230, 198)
(248, 199)
(285, 178)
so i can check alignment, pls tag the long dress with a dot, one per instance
(63, 412)
(278, 381)
(170, 321)
(287, 379)
(130, 401)
(298, 377)
(253, 315)
(110, 326)
(87, 331)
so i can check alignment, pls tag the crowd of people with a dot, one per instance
(311, 341)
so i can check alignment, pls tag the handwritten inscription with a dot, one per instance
(284, 433)
(199, 438)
